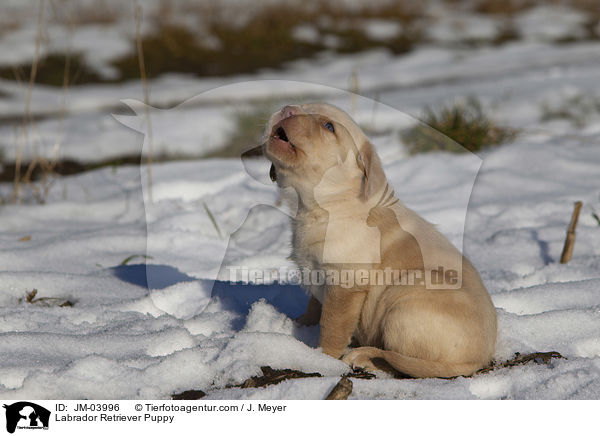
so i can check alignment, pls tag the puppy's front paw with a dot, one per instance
(359, 358)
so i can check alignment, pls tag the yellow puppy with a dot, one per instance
(391, 280)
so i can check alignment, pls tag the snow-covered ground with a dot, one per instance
(137, 331)
(122, 340)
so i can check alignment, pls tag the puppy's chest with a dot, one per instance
(308, 238)
(340, 240)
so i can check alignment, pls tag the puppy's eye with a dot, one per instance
(329, 126)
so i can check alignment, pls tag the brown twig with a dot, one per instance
(567, 252)
(342, 390)
(31, 295)
(30, 298)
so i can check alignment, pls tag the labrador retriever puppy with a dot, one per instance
(415, 303)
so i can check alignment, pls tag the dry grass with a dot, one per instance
(265, 40)
(40, 168)
(239, 42)
(24, 133)
(457, 128)
(174, 48)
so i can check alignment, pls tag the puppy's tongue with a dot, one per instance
(273, 173)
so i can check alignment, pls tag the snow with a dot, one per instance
(123, 340)
(164, 324)
(551, 23)
(381, 29)
(306, 33)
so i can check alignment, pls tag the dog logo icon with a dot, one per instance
(26, 415)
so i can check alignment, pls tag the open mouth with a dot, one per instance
(280, 133)
(282, 136)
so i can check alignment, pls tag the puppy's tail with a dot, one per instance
(420, 368)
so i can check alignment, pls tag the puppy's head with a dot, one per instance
(305, 142)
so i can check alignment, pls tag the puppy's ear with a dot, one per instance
(373, 176)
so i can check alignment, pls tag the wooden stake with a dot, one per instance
(567, 252)
(342, 390)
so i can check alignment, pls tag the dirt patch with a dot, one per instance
(189, 395)
(274, 376)
(51, 71)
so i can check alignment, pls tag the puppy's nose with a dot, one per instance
(290, 111)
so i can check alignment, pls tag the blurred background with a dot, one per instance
(482, 72)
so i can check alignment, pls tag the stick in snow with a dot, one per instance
(342, 390)
(567, 252)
